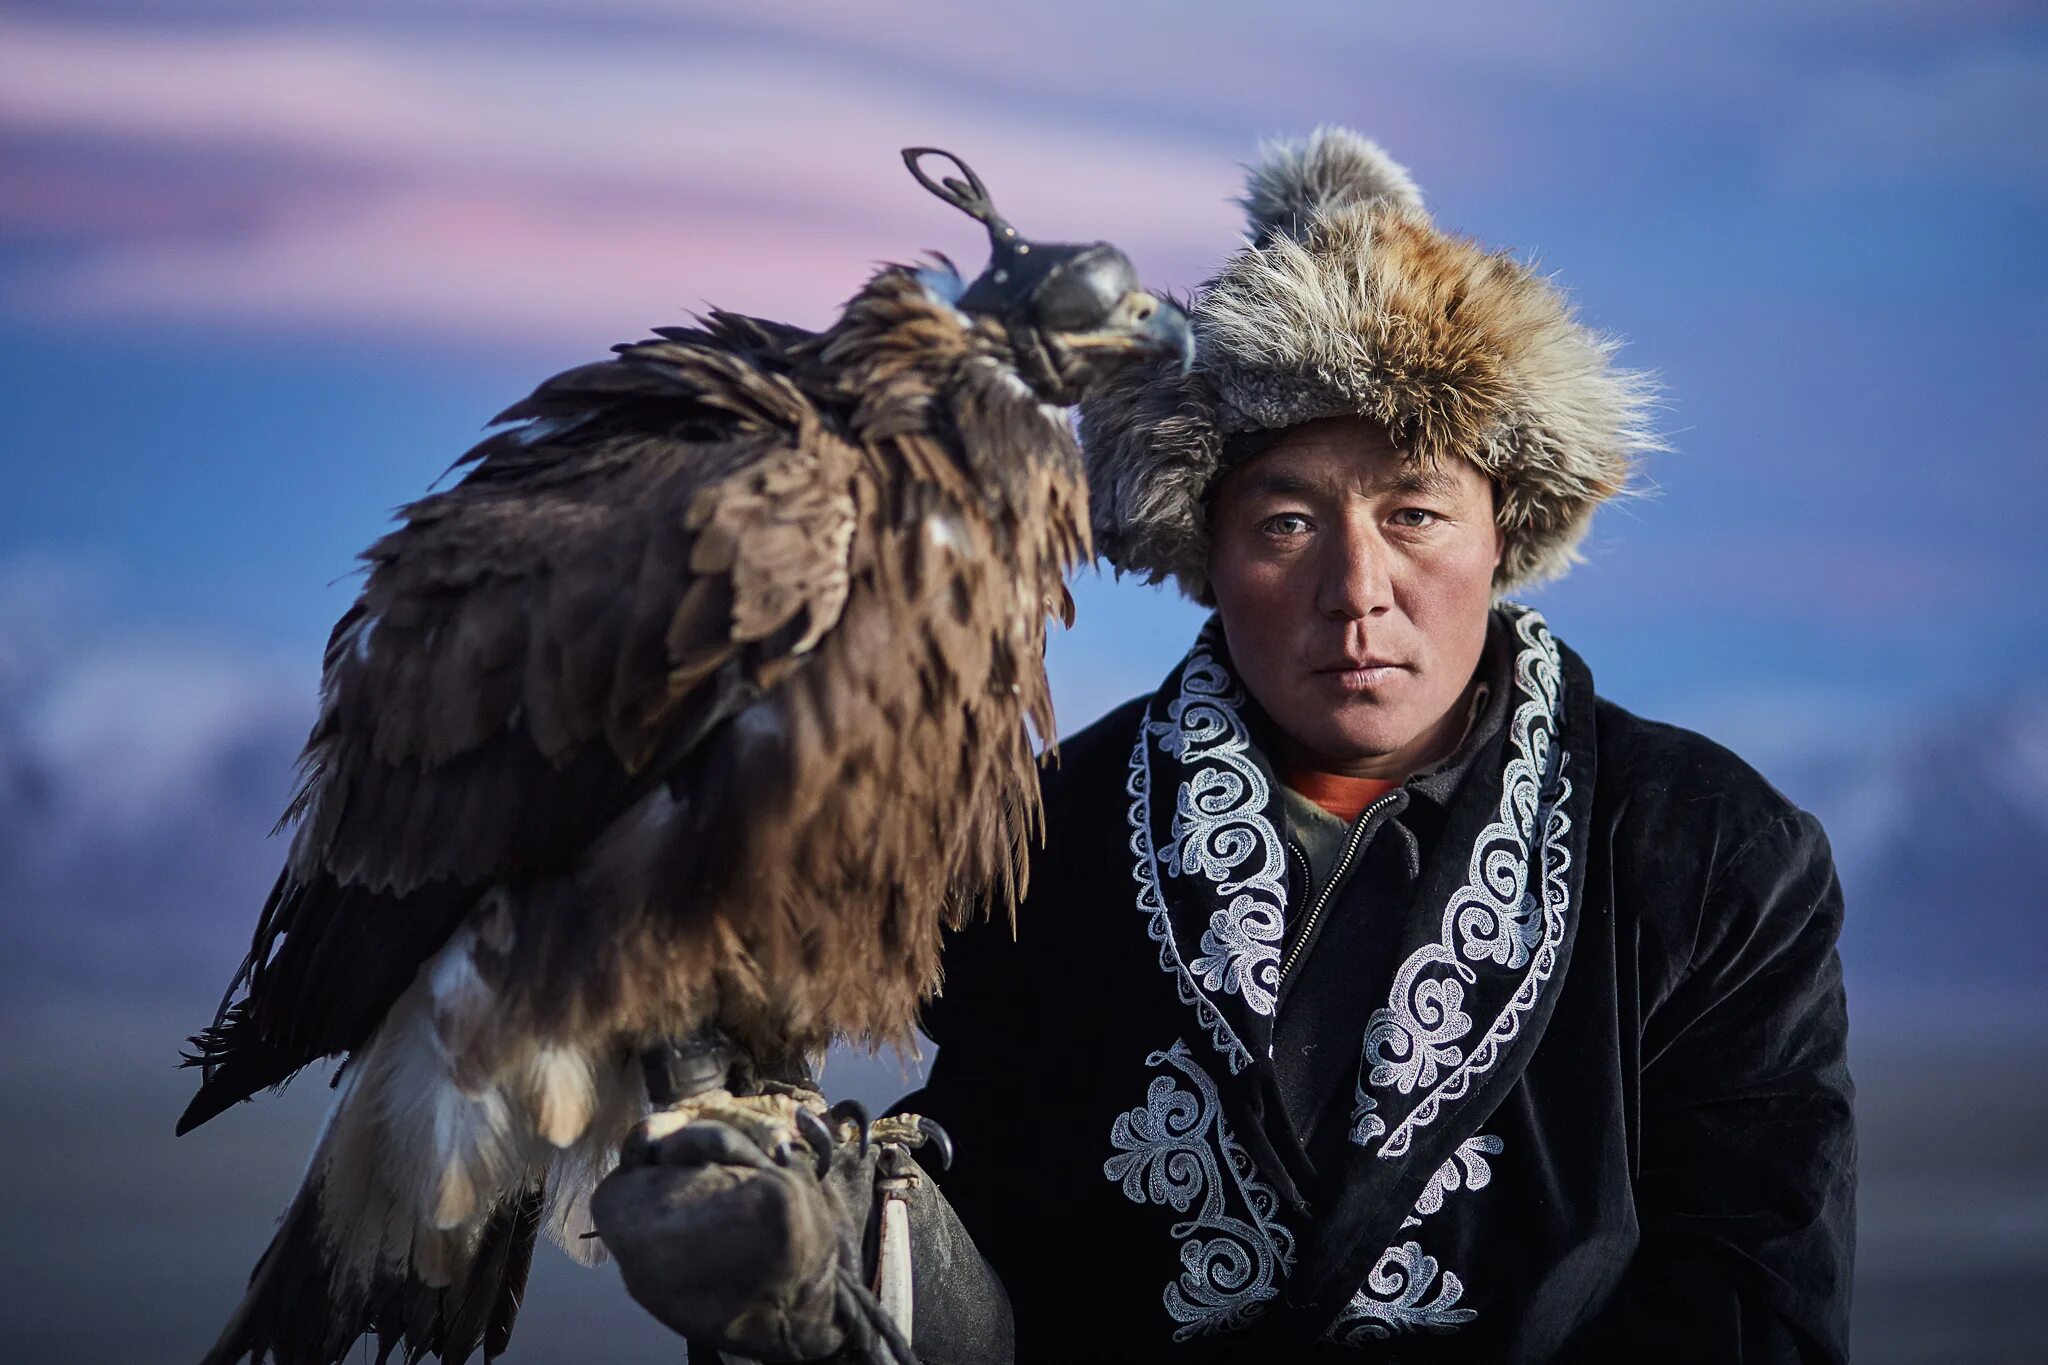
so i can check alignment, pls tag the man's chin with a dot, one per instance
(1352, 747)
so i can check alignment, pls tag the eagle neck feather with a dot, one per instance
(909, 363)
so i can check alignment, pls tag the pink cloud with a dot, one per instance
(626, 153)
(460, 262)
(488, 185)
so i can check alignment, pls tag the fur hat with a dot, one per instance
(1348, 300)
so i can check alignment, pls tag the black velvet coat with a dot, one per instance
(1602, 1107)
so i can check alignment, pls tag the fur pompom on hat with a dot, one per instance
(1349, 301)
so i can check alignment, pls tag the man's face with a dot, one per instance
(1354, 586)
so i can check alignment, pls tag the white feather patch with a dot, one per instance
(464, 1009)
(415, 1159)
(564, 1093)
(575, 1172)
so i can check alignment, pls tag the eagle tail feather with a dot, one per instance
(234, 1064)
(357, 1255)
(304, 1308)
(434, 1173)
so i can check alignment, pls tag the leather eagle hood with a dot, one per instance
(1348, 300)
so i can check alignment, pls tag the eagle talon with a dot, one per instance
(855, 1113)
(941, 1141)
(817, 1137)
(915, 1131)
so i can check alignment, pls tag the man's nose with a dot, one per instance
(1354, 580)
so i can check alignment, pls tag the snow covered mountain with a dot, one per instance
(1940, 829)
(139, 783)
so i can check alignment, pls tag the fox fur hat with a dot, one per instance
(1347, 300)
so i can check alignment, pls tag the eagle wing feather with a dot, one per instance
(527, 642)
(685, 706)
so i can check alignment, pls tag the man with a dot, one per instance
(1382, 991)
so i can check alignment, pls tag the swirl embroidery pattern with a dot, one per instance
(1158, 925)
(1220, 832)
(1232, 1265)
(1494, 919)
(1395, 1298)
(1465, 1169)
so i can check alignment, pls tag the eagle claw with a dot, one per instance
(942, 1142)
(818, 1138)
(916, 1131)
(855, 1113)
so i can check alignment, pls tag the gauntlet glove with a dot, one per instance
(773, 1257)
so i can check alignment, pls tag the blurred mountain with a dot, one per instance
(139, 782)
(1937, 827)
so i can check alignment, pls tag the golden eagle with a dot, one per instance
(653, 756)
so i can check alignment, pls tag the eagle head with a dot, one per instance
(1074, 312)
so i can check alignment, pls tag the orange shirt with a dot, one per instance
(1344, 797)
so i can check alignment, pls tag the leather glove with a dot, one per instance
(764, 1256)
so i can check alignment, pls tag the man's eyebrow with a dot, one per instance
(1280, 483)
(1420, 478)
(1411, 478)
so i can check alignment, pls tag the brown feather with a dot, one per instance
(716, 682)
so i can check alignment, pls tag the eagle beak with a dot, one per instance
(1142, 325)
(1165, 332)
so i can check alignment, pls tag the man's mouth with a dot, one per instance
(1359, 675)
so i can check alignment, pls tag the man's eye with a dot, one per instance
(1415, 517)
(1286, 524)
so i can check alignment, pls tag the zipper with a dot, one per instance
(1315, 910)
